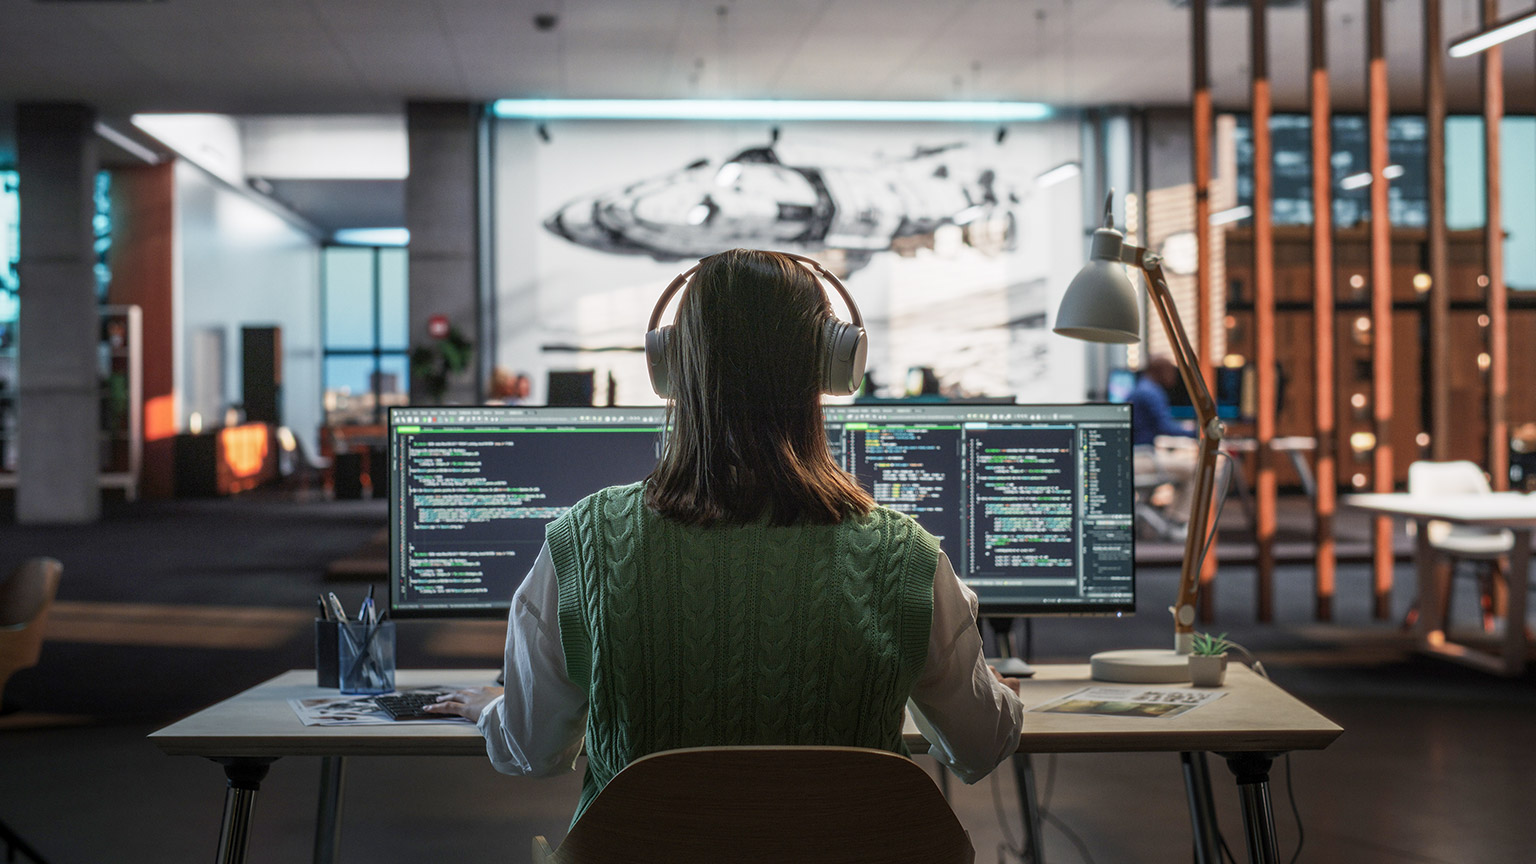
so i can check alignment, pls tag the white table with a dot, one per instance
(1515, 511)
(1249, 727)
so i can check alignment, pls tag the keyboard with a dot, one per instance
(409, 706)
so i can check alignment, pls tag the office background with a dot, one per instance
(236, 145)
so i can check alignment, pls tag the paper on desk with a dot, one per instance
(1129, 701)
(358, 711)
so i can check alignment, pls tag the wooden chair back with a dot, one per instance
(25, 598)
(809, 805)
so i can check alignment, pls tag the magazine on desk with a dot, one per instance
(361, 711)
(1129, 701)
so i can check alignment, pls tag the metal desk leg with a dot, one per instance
(245, 775)
(1202, 808)
(1252, 772)
(1519, 577)
(1024, 772)
(328, 819)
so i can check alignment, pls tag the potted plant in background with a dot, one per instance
(1208, 663)
(448, 354)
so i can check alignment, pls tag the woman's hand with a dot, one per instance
(466, 703)
(1010, 683)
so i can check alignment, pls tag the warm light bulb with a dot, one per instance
(1362, 441)
(1484, 361)
(1422, 282)
(1357, 400)
(1358, 481)
(1422, 439)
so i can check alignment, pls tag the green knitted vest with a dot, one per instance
(744, 634)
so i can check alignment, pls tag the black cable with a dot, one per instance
(1008, 844)
(1082, 848)
(1290, 792)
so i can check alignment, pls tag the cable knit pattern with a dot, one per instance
(738, 634)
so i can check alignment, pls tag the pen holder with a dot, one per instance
(365, 655)
(326, 674)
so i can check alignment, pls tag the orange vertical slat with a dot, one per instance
(1381, 306)
(1326, 473)
(1263, 312)
(1200, 49)
(1498, 297)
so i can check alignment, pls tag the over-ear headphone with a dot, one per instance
(847, 347)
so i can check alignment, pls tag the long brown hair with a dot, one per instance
(746, 436)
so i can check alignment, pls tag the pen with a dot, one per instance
(336, 609)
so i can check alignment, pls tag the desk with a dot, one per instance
(1513, 510)
(1252, 724)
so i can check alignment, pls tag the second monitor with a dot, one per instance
(1032, 504)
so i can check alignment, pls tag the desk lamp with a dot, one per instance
(1100, 306)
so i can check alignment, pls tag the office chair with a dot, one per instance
(25, 598)
(1461, 542)
(810, 805)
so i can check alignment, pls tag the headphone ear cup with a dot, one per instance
(847, 352)
(659, 360)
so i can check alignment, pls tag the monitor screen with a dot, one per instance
(1032, 504)
(1119, 386)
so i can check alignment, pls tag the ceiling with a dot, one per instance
(292, 57)
(295, 56)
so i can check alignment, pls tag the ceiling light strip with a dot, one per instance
(767, 109)
(1499, 33)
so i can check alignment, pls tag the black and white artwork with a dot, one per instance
(953, 251)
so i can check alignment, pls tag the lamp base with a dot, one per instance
(1148, 666)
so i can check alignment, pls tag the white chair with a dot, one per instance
(1462, 542)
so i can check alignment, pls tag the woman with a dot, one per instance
(748, 591)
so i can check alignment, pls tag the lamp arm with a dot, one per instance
(1211, 431)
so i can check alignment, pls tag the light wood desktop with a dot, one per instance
(1515, 511)
(1249, 726)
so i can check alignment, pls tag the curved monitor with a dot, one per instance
(1031, 504)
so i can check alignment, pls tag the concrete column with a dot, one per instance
(58, 439)
(441, 207)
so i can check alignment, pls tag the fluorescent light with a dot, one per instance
(729, 173)
(1356, 181)
(1060, 174)
(133, 147)
(1503, 31)
(1392, 172)
(1234, 214)
(766, 109)
(371, 236)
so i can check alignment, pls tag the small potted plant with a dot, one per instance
(1208, 663)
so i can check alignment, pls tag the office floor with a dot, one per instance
(167, 607)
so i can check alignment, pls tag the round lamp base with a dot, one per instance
(1148, 666)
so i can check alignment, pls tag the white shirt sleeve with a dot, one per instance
(537, 727)
(972, 720)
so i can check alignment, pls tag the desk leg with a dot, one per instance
(1024, 772)
(1202, 809)
(1252, 772)
(1519, 577)
(1430, 628)
(328, 819)
(245, 775)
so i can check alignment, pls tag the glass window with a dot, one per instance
(366, 341)
(349, 308)
(394, 333)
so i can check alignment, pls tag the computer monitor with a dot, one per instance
(1118, 387)
(1032, 504)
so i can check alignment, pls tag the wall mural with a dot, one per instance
(755, 199)
(953, 253)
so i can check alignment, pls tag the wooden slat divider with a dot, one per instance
(1326, 468)
(1263, 311)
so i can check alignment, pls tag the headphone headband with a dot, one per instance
(845, 342)
(815, 267)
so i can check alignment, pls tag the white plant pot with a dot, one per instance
(1207, 671)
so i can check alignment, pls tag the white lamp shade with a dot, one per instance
(1100, 305)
